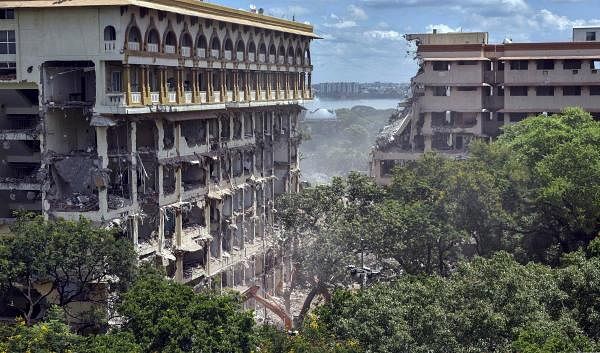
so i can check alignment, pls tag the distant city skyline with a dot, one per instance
(362, 39)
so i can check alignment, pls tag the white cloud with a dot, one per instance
(288, 12)
(546, 18)
(442, 28)
(387, 35)
(341, 24)
(357, 13)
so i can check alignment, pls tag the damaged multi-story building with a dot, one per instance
(466, 89)
(175, 121)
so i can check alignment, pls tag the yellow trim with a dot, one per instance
(18, 85)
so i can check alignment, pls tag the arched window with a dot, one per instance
(240, 49)
(215, 47)
(201, 46)
(298, 56)
(307, 56)
(281, 57)
(251, 51)
(153, 41)
(228, 49)
(262, 52)
(170, 42)
(186, 44)
(290, 55)
(134, 38)
(110, 34)
(272, 53)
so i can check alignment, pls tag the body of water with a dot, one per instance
(333, 104)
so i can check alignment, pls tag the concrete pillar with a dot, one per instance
(195, 87)
(162, 75)
(209, 87)
(179, 83)
(134, 229)
(133, 156)
(309, 85)
(127, 83)
(102, 148)
(223, 88)
(143, 82)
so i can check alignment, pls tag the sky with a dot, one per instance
(363, 39)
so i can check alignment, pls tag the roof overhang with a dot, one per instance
(184, 7)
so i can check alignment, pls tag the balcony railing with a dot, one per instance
(133, 46)
(152, 47)
(261, 58)
(170, 49)
(186, 51)
(214, 53)
(201, 53)
(240, 56)
(188, 97)
(243, 96)
(227, 55)
(290, 61)
(298, 61)
(110, 46)
(263, 95)
(251, 56)
(202, 97)
(252, 96)
(281, 94)
(281, 60)
(154, 97)
(271, 58)
(114, 98)
(272, 95)
(172, 97)
(136, 98)
(229, 96)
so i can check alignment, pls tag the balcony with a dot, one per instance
(152, 47)
(252, 96)
(272, 95)
(115, 99)
(217, 97)
(281, 60)
(170, 49)
(240, 56)
(227, 55)
(214, 53)
(229, 96)
(251, 56)
(136, 98)
(154, 97)
(172, 97)
(243, 95)
(272, 58)
(263, 95)
(186, 51)
(201, 53)
(135, 46)
(110, 46)
(281, 94)
(290, 61)
(202, 96)
(261, 58)
(188, 97)
(298, 61)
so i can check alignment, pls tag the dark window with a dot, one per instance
(590, 36)
(545, 64)
(441, 91)
(8, 70)
(594, 90)
(7, 42)
(109, 33)
(518, 91)
(544, 91)
(467, 62)
(441, 66)
(516, 117)
(572, 91)
(7, 14)
(572, 64)
(466, 89)
(500, 65)
(500, 117)
(387, 166)
(519, 65)
(500, 91)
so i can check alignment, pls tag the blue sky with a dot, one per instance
(363, 38)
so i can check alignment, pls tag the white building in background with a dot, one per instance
(468, 89)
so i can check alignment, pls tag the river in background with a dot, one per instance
(333, 104)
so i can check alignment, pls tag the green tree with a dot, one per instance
(63, 259)
(165, 316)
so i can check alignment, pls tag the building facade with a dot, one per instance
(172, 120)
(468, 89)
